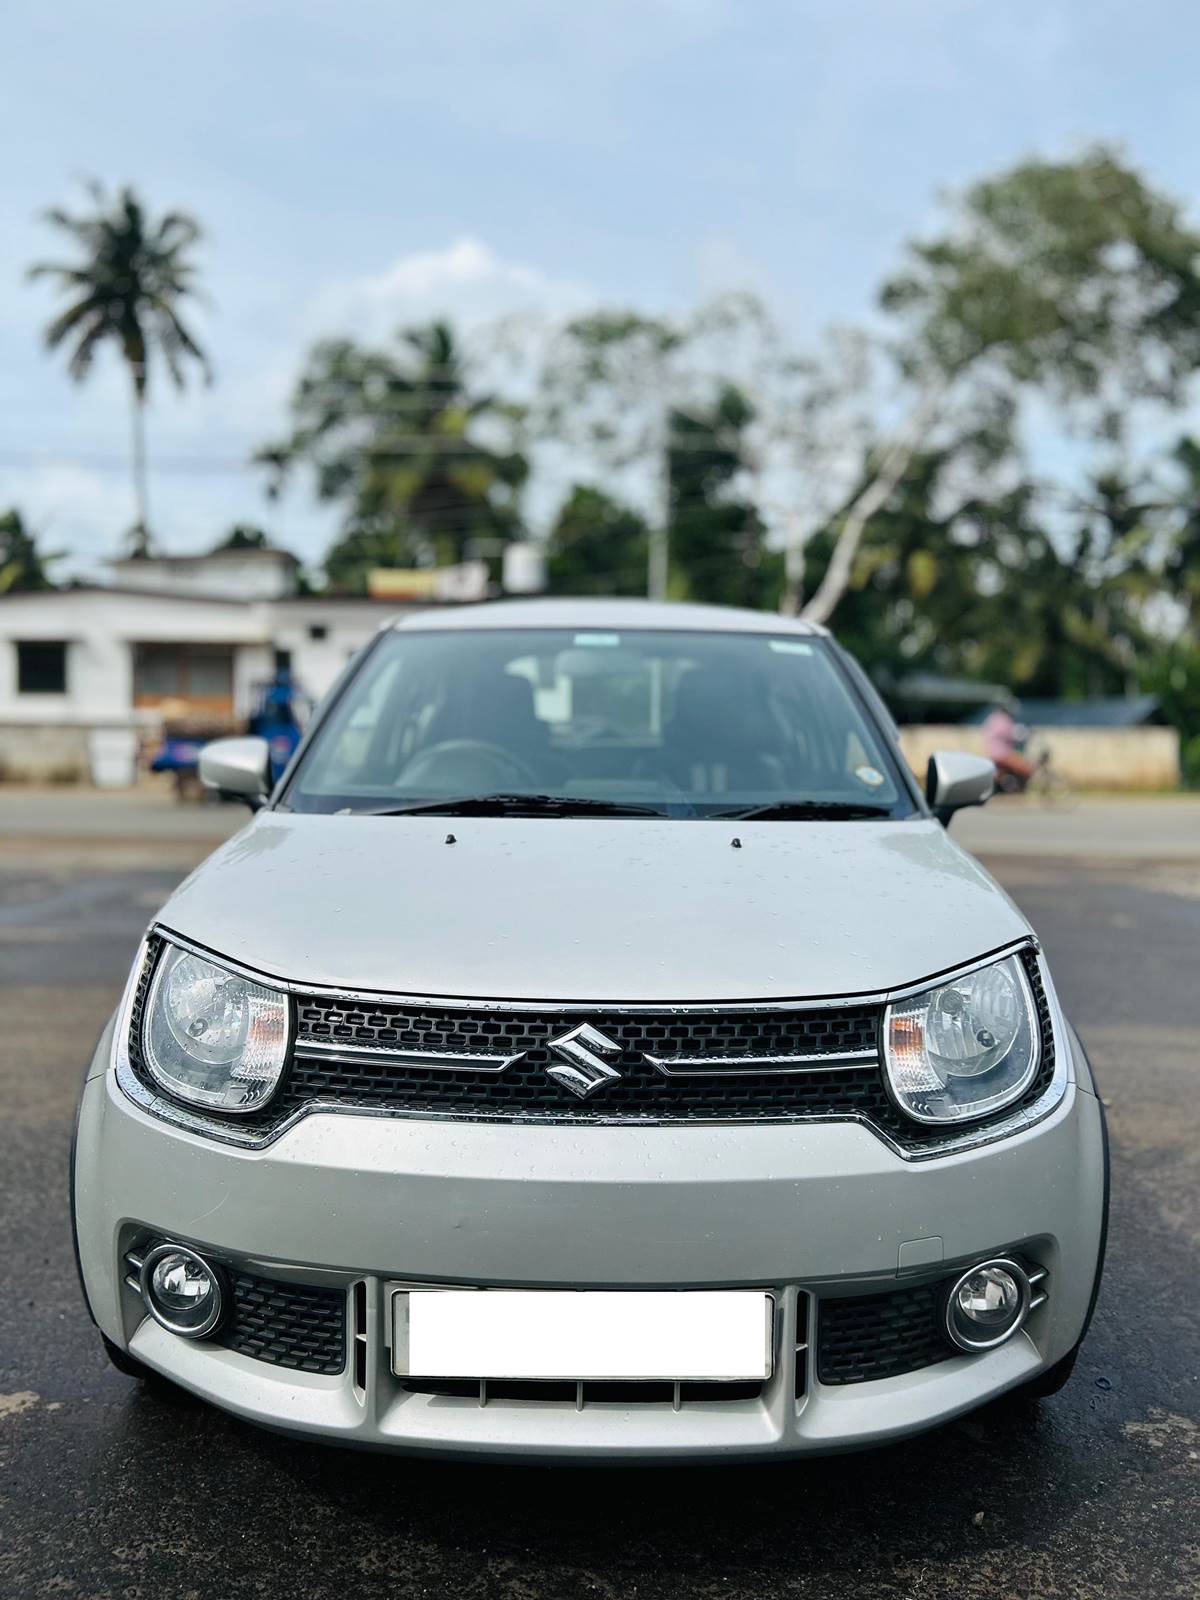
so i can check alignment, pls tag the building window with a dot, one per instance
(41, 666)
(183, 679)
(317, 631)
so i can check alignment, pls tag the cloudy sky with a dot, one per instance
(365, 164)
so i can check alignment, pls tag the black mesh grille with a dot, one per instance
(297, 1325)
(505, 1032)
(524, 1091)
(880, 1335)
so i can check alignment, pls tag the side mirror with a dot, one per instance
(239, 769)
(955, 779)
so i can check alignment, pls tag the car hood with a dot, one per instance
(588, 909)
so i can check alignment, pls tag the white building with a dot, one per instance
(226, 573)
(88, 675)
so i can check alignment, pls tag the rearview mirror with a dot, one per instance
(239, 769)
(955, 779)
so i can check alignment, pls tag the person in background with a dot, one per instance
(281, 710)
(1002, 740)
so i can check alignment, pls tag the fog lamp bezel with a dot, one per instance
(220, 1297)
(1019, 1276)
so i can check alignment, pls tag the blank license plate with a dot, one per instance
(718, 1335)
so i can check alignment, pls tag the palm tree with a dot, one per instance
(392, 434)
(126, 288)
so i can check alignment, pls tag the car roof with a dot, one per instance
(610, 614)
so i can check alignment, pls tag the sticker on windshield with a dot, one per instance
(871, 776)
(790, 647)
(603, 639)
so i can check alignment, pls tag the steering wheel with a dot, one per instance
(465, 765)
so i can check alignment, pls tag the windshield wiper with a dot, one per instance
(529, 805)
(816, 810)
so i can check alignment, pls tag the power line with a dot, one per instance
(403, 449)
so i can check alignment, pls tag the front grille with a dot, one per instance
(524, 1089)
(880, 1335)
(375, 1035)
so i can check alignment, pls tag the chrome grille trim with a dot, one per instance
(723, 1066)
(436, 1060)
(670, 1066)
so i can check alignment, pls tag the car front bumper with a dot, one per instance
(363, 1204)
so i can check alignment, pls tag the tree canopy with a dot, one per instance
(898, 483)
(1075, 276)
(717, 538)
(999, 478)
(245, 536)
(23, 567)
(408, 446)
(596, 546)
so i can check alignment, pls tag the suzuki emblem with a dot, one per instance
(583, 1069)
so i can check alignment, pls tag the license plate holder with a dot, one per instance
(691, 1335)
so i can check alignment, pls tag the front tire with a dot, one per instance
(129, 1365)
(1051, 1381)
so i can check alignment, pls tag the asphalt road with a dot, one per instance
(106, 1491)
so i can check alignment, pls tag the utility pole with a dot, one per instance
(658, 556)
(793, 563)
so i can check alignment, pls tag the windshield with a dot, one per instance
(670, 723)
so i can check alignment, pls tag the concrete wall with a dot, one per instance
(1090, 758)
(44, 754)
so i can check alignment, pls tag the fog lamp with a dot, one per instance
(182, 1291)
(987, 1305)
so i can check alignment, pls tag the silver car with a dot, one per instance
(594, 1046)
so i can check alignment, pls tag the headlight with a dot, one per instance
(965, 1048)
(212, 1037)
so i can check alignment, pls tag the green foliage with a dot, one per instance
(1065, 618)
(1059, 294)
(126, 286)
(1172, 672)
(245, 536)
(397, 438)
(718, 544)
(637, 394)
(1074, 276)
(981, 585)
(911, 602)
(597, 546)
(1078, 284)
(1182, 571)
(22, 565)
